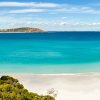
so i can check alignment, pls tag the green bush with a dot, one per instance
(11, 89)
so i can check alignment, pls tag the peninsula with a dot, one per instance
(26, 29)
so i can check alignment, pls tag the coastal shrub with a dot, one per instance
(11, 89)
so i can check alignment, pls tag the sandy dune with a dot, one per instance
(66, 86)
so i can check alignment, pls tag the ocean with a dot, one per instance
(50, 52)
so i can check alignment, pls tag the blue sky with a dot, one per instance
(51, 15)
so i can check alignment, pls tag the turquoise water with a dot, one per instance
(50, 53)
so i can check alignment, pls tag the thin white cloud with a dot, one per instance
(97, 4)
(64, 9)
(57, 8)
(28, 4)
(78, 24)
(78, 9)
(9, 21)
(64, 17)
(27, 11)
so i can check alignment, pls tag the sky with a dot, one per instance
(51, 15)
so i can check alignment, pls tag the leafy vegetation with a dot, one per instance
(11, 89)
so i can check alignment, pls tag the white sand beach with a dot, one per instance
(66, 86)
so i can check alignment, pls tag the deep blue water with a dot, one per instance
(50, 52)
(69, 36)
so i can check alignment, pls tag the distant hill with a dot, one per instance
(22, 30)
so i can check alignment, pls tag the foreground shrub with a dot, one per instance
(11, 89)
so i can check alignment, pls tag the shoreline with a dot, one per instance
(52, 74)
(79, 86)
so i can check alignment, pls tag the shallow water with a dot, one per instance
(51, 52)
